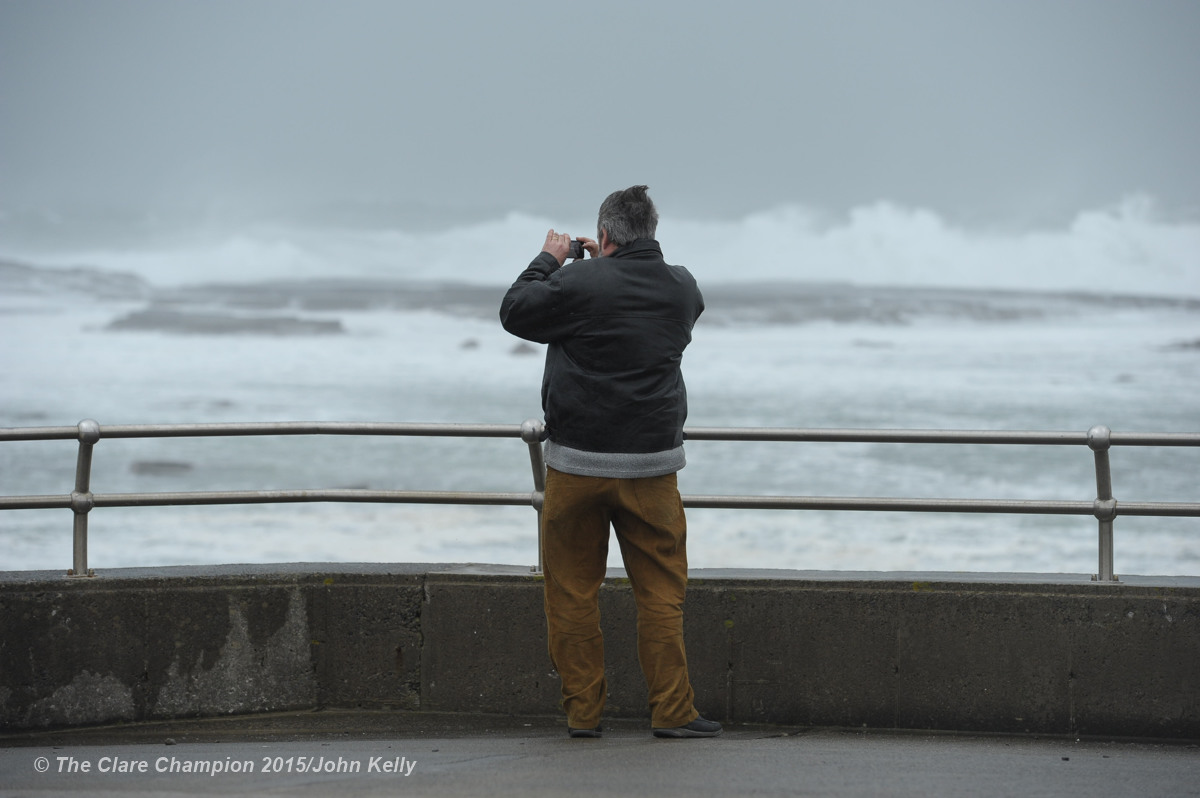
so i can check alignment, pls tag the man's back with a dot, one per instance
(617, 327)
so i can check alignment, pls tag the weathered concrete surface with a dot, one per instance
(1054, 654)
(180, 642)
(1006, 657)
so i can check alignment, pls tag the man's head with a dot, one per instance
(626, 216)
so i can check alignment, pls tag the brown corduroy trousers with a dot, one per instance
(647, 515)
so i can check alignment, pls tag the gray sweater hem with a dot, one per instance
(614, 465)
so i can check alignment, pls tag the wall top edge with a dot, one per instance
(328, 573)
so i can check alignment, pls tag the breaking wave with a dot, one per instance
(1128, 248)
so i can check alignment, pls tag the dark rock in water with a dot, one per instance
(160, 468)
(335, 294)
(470, 343)
(174, 321)
(523, 349)
(845, 303)
(19, 278)
(1185, 346)
(29, 416)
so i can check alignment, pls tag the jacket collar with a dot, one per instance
(642, 248)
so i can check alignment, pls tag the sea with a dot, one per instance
(883, 318)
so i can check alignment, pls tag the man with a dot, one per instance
(615, 404)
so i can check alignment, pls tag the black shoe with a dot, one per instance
(697, 728)
(584, 732)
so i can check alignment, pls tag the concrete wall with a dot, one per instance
(1046, 654)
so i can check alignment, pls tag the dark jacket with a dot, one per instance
(616, 328)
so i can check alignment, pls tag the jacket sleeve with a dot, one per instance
(533, 308)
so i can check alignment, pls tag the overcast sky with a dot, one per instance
(986, 112)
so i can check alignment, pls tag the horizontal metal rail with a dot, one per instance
(1105, 508)
(890, 505)
(349, 495)
(66, 501)
(764, 434)
(266, 428)
(802, 435)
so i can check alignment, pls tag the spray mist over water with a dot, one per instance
(1127, 248)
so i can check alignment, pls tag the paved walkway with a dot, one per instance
(349, 754)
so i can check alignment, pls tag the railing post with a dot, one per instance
(1099, 440)
(81, 498)
(532, 432)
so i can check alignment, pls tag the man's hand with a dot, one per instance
(558, 245)
(592, 247)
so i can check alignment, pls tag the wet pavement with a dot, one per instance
(348, 754)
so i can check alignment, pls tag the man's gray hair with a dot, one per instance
(627, 215)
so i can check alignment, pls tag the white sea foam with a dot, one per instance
(1126, 248)
(1123, 249)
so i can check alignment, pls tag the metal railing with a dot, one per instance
(1099, 439)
